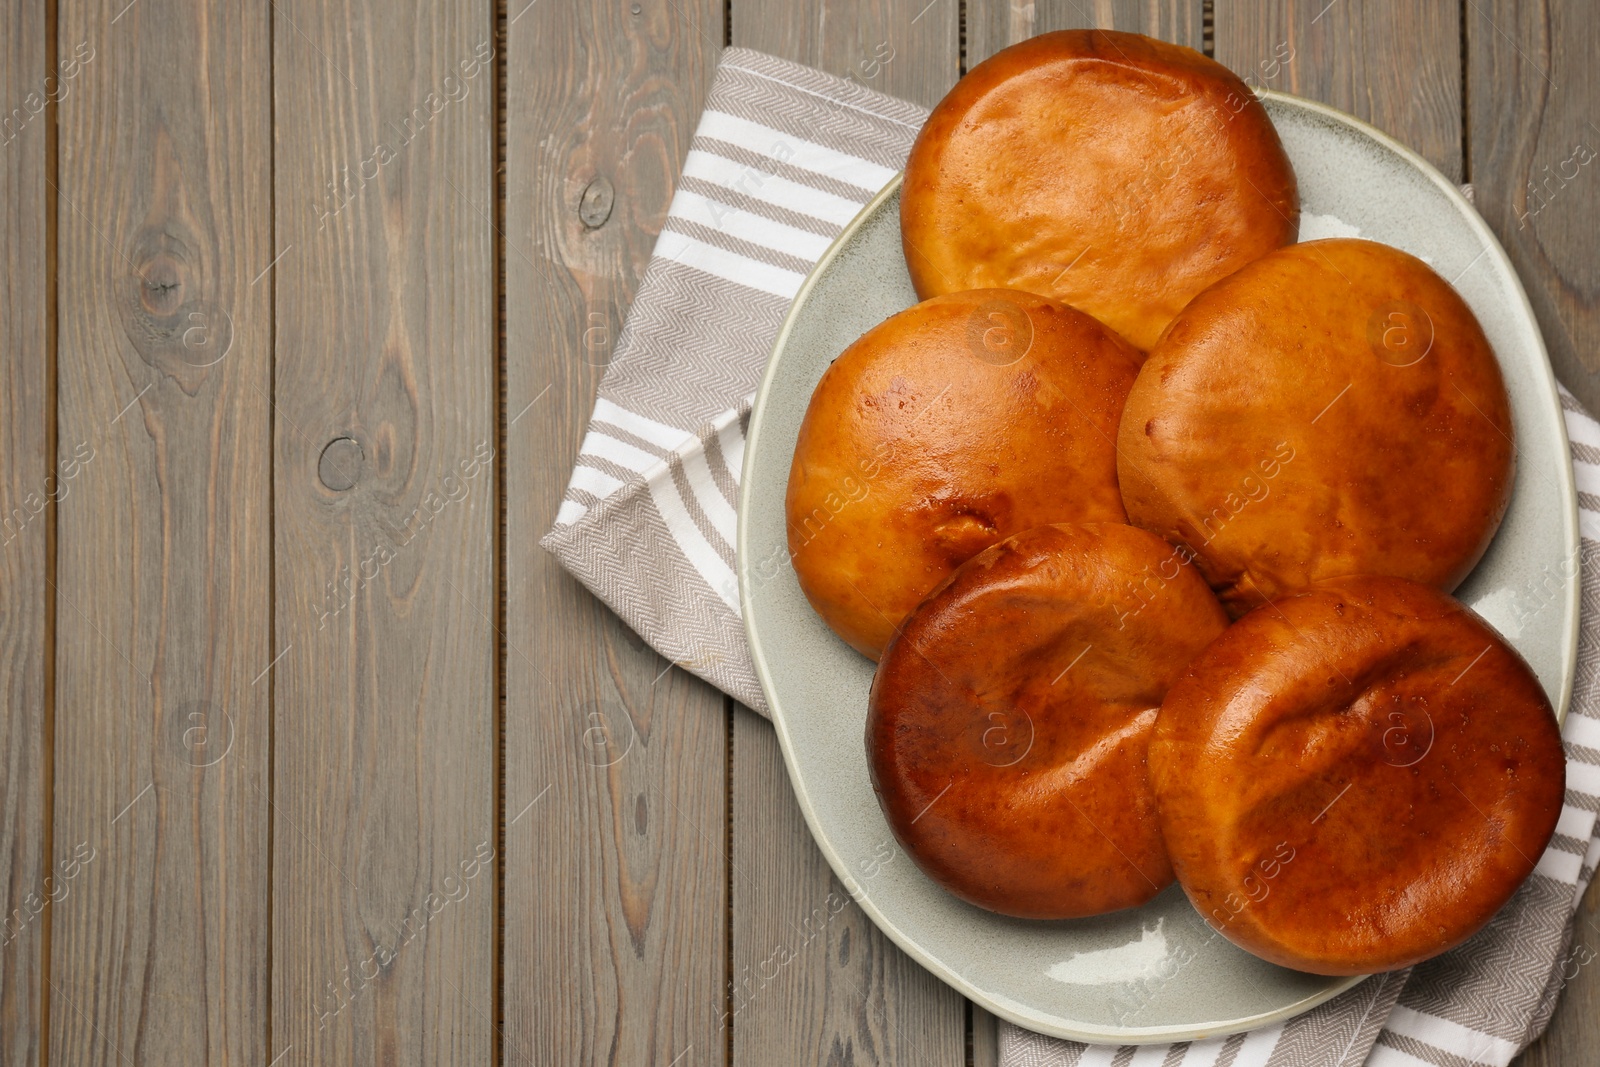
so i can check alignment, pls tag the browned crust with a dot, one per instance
(1113, 172)
(1357, 778)
(943, 430)
(1007, 725)
(1333, 408)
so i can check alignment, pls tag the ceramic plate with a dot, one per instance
(1155, 973)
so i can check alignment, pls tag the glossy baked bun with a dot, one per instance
(1333, 408)
(1357, 778)
(944, 429)
(1116, 173)
(1007, 725)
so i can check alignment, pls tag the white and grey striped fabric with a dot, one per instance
(783, 157)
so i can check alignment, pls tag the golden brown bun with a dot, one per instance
(1007, 726)
(944, 429)
(1357, 778)
(1116, 173)
(1333, 408)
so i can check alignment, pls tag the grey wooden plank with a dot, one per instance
(615, 761)
(29, 484)
(985, 1038)
(1534, 137)
(384, 793)
(1398, 66)
(909, 50)
(811, 974)
(162, 598)
(994, 24)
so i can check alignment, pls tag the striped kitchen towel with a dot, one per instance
(783, 158)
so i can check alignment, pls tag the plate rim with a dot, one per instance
(991, 1002)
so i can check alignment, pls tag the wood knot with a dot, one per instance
(594, 206)
(341, 463)
(162, 293)
(173, 325)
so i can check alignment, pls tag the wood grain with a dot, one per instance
(159, 943)
(993, 25)
(1534, 136)
(616, 875)
(384, 805)
(985, 1037)
(811, 974)
(29, 83)
(226, 877)
(910, 50)
(1398, 66)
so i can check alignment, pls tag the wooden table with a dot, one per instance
(308, 754)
